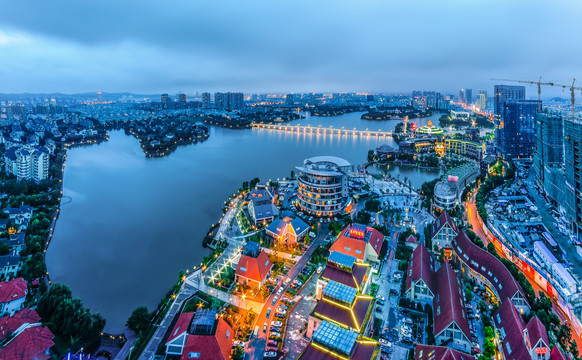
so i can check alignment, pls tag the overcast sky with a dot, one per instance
(153, 46)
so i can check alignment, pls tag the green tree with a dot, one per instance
(370, 155)
(488, 348)
(4, 248)
(139, 320)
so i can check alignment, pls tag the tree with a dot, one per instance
(237, 353)
(4, 248)
(372, 205)
(488, 348)
(254, 182)
(488, 332)
(370, 155)
(139, 319)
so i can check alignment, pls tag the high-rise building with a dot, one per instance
(235, 101)
(503, 93)
(220, 101)
(466, 96)
(573, 172)
(289, 99)
(518, 132)
(229, 101)
(482, 99)
(548, 159)
(369, 97)
(206, 100)
(166, 100)
(182, 98)
(418, 101)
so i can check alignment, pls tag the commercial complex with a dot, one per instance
(573, 172)
(323, 185)
(548, 160)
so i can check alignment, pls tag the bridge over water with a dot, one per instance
(321, 130)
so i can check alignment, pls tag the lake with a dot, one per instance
(135, 222)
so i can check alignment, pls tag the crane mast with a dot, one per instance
(539, 84)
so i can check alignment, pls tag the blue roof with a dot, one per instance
(342, 259)
(299, 226)
(277, 226)
(335, 338)
(339, 292)
(252, 249)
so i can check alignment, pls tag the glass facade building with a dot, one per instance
(573, 172)
(503, 93)
(548, 158)
(518, 132)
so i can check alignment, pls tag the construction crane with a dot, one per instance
(539, 83)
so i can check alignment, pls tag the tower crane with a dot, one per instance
(539, 83)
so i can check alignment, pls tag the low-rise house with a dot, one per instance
(15, 242)
(24, 337)
(12, 295)
(261, 207)
(253, 267)
(451, 324)
(518, 340)
(344, 269)
(200, 335)
(420, 285)
(288, 229)
(333, 342)
(362, 242)
(9, 266)
(443, 231)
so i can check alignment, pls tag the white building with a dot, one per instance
(564, 278)
(544, 255)
(27, 163)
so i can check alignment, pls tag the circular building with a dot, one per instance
(430, 130)
(323, 185)
(445, 195)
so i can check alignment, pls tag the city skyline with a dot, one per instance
(266, 47)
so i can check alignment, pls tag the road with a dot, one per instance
(256, 346)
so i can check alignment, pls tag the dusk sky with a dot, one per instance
(142, 46)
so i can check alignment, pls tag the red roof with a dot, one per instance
(12, 290)
(254, 268)
(536, 331)
(488, 266)
(353, 318)
(412, 239)
(431, 352)
(181, 325)
(420, 267)
(507, 318)
(355, 279)
(210, 347)
(449, 300)
(32, 343)
(351, 239)
(10, 324)
(557, 354)
(443, 219)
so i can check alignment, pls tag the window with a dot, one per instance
(498, 319)
(508, 348)
(437, 297)
(347, 248)
(227, 334)
(243, 268)
(267, 263)
(193, 355)
(438, 310)
(358, 252)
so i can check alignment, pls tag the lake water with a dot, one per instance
(135, 222)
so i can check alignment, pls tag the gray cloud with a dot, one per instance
(155, 46)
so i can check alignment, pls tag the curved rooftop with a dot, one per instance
(337, 161)
(445, 188)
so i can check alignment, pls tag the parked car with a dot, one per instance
(280, 316)
(271, 348)
(378, 309)
(276, 323)
(284, 307)
(380, 298)
(274, 300)
(265, 328)
(272, 343)
(280, 291)
(274, 333)
(281, 311)
(380, 302)
(268, 313)
(269, 354)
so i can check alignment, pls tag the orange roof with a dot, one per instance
(255, 269)
(181, 325)
(349, 246)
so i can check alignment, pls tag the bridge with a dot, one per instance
(321, 130)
